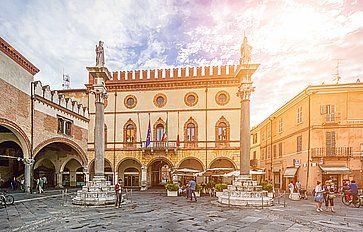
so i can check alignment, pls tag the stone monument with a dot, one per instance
(244, 191)
(98, 191)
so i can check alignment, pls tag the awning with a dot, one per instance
(215, 172)
(290, 172)
(252, 172)
(335, 169)
(185, 171)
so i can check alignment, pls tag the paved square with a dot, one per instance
(153, 211)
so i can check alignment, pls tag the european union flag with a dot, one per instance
(148, 135)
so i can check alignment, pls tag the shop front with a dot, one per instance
(336, 174)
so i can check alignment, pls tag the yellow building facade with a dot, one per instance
(194, 116)
(316, 136)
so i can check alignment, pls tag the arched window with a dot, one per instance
(130, 134)
(191, 133)
(159, 132)
(222, 132)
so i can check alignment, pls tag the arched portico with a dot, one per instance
(129, 170)
(191, 163)
(159, 171)
(72, 173)
(222, 162)
(109, 172)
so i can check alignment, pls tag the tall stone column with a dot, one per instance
(244, 93)
(27, 175)
(99, 133)
(144, 178)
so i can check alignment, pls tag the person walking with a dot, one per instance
(192, 185)
(22, 181)
(319, 197)
(329, 190)
(291, 189)
(45, 182)
(118, 190)
(41, 185)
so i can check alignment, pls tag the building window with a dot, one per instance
(268, 152)
(222, 98)
(191, 133)
(281, 123)
(254, 138)
(299, 143)
(327, 109)
(268, 132)
(64, 126)
(191, 99)
(254, 155)
(330, 143)
(299, 115)
(160, 100)
(130, 101)
(222, 132)
(130, 134)
(262, 153)
(280, 149)
(263, 136)
(275, 151)
(159, 131)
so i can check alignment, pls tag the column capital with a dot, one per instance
(245, 90)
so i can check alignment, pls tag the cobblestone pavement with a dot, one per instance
(153, 211)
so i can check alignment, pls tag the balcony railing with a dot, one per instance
(331, 118)
(331, 152)
(159, 145)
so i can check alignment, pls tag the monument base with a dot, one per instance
(96, 192)
(245, 192)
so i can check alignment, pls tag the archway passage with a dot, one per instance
(222, 163)
(129, 170)
(109, 175)
(11, 165)
(192, 163)
(72, 174)
(58, 162)
(45, 168)
(159, 172)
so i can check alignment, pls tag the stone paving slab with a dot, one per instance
(153, 211)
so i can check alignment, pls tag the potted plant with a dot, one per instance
(171, 189)
(198, 189)
(219, 189)
(268, 187)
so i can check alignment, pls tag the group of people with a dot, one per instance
(327, 192)
(189, 189)
(296, 188)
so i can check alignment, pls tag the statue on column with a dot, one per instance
(100, 55)
(245, 52)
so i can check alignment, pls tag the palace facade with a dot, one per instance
(316, 136)
(194, 116)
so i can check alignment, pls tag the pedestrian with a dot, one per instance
(13, 183)
(41, 185)
(353, 187)
(45, 181)
(187, 190)
(22, 181)
(192, 185)
(118, 190)
(319, 197)
(37, 185)
(291, 189)
(298, 186)
(329, 195)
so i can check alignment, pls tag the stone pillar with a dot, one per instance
(99, 137)
(27, 177)
(143, 178)
(72, 178)
(60, 180)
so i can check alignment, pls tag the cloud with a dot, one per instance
(296, 42)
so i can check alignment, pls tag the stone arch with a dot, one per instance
(64, 164)
(66, 141)
(109, 174)
(193, 142)
(160, 158)
(224, 164)
(91, 164)
(36, 165)
(181, 162)
(20, 135)
(45, 167)
(159, 171)
(127, 158)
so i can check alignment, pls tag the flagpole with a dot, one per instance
(177, 136)
(138, 120)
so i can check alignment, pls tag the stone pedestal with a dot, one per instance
(96, 192)
(143, 178)
(245, 192)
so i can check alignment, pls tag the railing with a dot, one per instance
(331, 152)
(159, 145)
(331, 118)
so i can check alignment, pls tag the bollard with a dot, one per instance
(262, 200)
(284, 199)
(62, 197)
(229, 198)
(131, 196)
(66, 196)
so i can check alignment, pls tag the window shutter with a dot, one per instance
(332, 109)
(322, 109)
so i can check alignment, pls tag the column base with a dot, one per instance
(96, 192)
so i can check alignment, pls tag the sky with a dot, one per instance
(297, 43)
